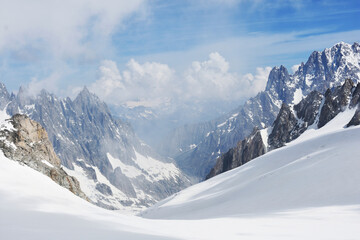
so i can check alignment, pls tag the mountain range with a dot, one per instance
(116, 170)
(196, 147)
(313, 112)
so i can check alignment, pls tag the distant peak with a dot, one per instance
(44, 92)
(2, 87)
(22, 89)
(86, 94)
(280, 68)
(85, 89)
(22, 93)
(283, 68)
(341, 45)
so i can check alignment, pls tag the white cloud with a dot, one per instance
(110, 79)
(295, 67)
(211, 79)
(150, 81)
(65, 28)
(153, 83)
(49, 83)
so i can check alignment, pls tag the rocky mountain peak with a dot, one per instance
(85, 95)
(22, 96)
(86, 101)
(278, 84)
(277, 76)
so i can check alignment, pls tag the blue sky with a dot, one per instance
(64, 45)
(180, 25)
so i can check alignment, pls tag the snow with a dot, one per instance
(152, 169)
(306, 190)
(221, 124)
(129, 171)
(4, 123)
(315, 171)
(88, 186)
(192, 146)
(298, 96)
(309, 79)
(233, 116)
(335, 125)
(265, 135)
(156, 169)
(29, 212)
(29, 107)
(47, 163)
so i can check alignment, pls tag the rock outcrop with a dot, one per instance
(335, 102)
(247, 149)
(27, 142)
(282, 127)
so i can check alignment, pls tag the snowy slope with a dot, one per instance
(34, 207)
(320, 168)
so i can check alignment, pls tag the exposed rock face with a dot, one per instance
(322, 70)
(282, 127)
(278, 84)
(355, 119)
(291, 122)
(28, 143)
(310, 111)
(335, 102)
(308, 108)
(355, 99)
(247, 149)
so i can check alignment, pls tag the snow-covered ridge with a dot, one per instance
(312, 112)
(318, 169)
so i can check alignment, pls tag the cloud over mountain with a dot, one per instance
(202, 80)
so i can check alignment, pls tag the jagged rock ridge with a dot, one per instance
(315, 110)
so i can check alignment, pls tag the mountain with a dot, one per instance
(311, 194)
(115, 168)
(196, 147)
(318, 170)
(313, 112)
